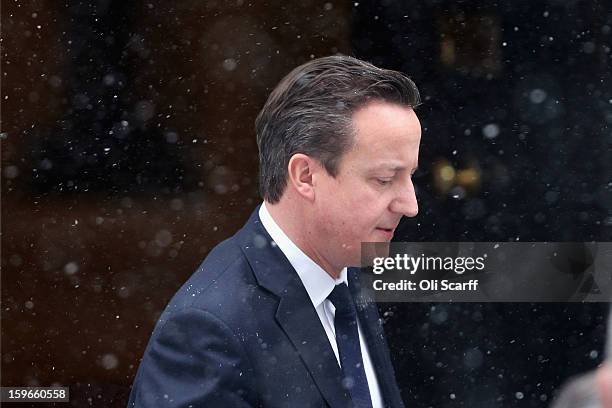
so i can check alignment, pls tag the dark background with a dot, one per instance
(130, 152)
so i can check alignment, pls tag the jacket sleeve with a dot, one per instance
(194, 360)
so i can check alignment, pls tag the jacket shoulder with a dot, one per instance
(224, 271)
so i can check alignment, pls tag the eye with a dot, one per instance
(383, 182)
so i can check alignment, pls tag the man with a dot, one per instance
(268, 319)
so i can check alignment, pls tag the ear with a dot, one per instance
(301, 168)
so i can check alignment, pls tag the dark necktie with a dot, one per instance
(347, 338)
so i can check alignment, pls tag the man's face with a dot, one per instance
(373, 188)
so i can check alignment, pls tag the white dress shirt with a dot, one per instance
(319, 284)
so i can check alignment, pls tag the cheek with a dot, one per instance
(340, 221)
(361, 214)
(352, 210)
(357, 224)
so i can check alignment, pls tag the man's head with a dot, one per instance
(338, 142)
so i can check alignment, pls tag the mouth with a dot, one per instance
(387, 232)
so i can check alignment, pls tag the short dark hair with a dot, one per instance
(310, 112)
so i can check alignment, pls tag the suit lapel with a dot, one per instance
(301, 323)
(295, 314)
(375, 339)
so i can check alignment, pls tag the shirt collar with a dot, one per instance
(318, 283)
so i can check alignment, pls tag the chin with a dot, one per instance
(374, 250)
(353, 258)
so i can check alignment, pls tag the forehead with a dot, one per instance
(386, 134)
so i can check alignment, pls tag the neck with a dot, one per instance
(293, 220)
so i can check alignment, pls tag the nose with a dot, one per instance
(405, 203)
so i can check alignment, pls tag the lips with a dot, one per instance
(387, 232)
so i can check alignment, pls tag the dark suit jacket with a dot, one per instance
(243, 332)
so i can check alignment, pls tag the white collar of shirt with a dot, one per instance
(318, 283)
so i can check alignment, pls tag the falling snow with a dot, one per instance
(128, 153)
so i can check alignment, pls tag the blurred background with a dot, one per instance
(128, 152)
